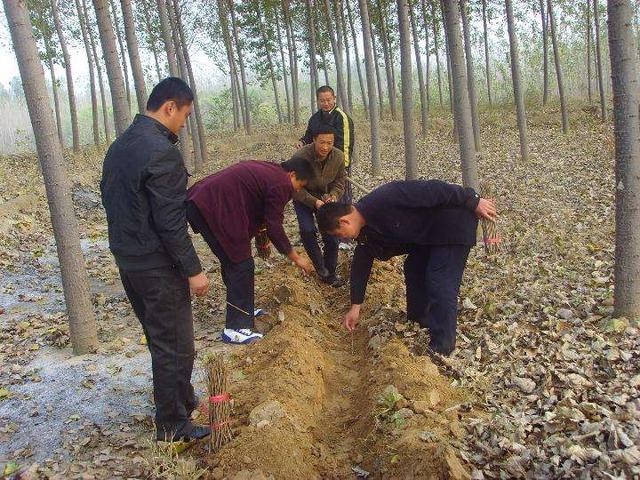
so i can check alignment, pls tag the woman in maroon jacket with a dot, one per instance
(227, 209)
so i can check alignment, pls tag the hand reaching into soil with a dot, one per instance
(300, 261)
(351, 318)
(487, 209)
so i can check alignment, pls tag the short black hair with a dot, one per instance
(171, 88)
(324, 89)
(323, 129)
(329, 215)
(300, 167)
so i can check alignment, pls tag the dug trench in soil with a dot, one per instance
(311, 401)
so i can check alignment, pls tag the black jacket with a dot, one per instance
(342, 125)
(404, 215)
(144, 185)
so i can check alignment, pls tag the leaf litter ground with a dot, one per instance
(544, 383)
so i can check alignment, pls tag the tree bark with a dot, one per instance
(243, 76)
(337, 56)
(374, 116)
(545, 55)
(269, 53)
(313, 64)
(293, 61)
(425, 21)
(424, 105)
(411, 164)
(151, 36)
(626, 102)
(167, 39)
(559, 77)
(134, 55)
(123, 53)
(603, 100)
(487, 69)
(471, 81)
(588, 42)
(103, 96)
(387, 62)
(517, 86)
(449, 75)
(378, 76)
(56, 101)
(342, 34)
(200, 136)
(92, 80)
(285, 76)
(226, 39)
(73, 109)
(322, 55)
(75, 280)
(437, 48)
(462, 108)
(121, 112)
(361, 81)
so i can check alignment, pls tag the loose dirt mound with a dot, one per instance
(315, 402)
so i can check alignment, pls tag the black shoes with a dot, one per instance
(186, 434)
(333, 280)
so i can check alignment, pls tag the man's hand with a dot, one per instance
(199, 284)
(351, 318)
(300, 261)
(326, 198)
(487, 209)
(319, 203)
(300, 144)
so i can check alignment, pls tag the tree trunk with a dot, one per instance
(121, 112)
(167, 39)
(226, 39)
(588, 42)
(462, 108)
(471, 81)
(486, 50)
(323, 56)
(151, 36)
(243, 76)
(313, 64)
(193, 161)
(378, 76)
(285, 77)
(337, 56)
(361, 81)
(449, 75)
(517, 86)
(603, 101)
(56, 102)
(73, 110)
(556, 58)
(75, 281)
(387, 62)
(424, 106)
(103, 95)
(123, 53)
(342, 32)
(92, 80)
(411, 164)
(268, 52)
(545, 55)
(425, 21)
(134, 55)
(200, 137)
(293, 61)
(626, 102)
(374, 116)
(437, 48)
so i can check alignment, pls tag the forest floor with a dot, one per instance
(543, 384)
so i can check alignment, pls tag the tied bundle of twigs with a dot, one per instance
(489, 229)
(219, 402)
(263, 244)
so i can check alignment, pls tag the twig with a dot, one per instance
(239, 309)
(359, 186)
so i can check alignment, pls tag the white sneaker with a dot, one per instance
(241, 336)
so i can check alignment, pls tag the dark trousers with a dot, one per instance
(433, 276)
(161, 300)
(238, 277)
(325, 261)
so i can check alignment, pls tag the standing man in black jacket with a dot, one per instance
(435, 224)
(144, 185)
(332, 116)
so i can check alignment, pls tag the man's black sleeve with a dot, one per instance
(167, 190)
(360, 272)
(307, 138)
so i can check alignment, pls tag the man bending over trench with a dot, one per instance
(435, 224)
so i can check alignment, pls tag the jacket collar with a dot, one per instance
(146, 120)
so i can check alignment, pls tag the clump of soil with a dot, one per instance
(313, 401)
